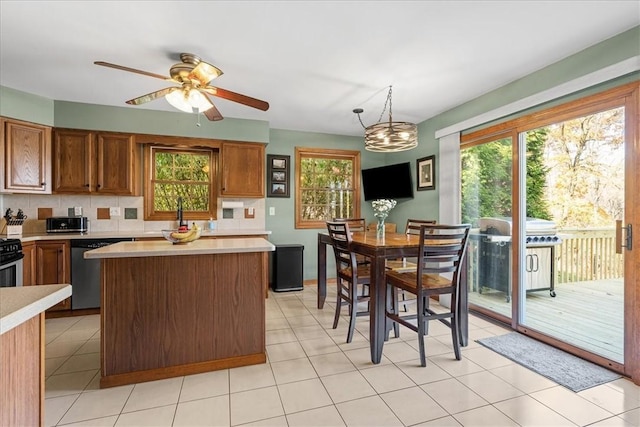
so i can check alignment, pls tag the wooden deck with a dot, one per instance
(589, 315)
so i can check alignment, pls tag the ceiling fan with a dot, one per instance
(193, 75)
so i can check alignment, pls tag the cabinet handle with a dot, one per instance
(98, 186)
(43, 183)
(86, 185)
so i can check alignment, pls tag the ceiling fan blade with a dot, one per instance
(212, 112)
(151, 96)
(236, 97)
(132, 70)
(204, 73)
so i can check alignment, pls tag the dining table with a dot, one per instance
(379, 249)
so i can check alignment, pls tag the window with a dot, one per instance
(189, 173)
(328, 186)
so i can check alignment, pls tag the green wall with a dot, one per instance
(282, 224)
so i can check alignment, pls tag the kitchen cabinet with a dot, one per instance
(95, 162)
(52, 266)
(29, 264)
(25, 155)
(242, 169)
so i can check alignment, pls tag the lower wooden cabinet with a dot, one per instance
(29, 264)
(52, 266)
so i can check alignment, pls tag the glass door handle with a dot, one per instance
(627, 238)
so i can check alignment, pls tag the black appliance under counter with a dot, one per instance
(85, 273)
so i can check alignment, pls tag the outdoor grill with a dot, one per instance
(494, 265)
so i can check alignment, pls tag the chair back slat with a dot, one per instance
(442, 249)
(413, 225)
(355, 224)
(340, 235)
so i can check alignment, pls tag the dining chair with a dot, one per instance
(356, 224)
(441, 252)
(350, 276)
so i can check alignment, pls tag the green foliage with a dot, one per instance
(326, 186)
(181, 174)
(487, 179)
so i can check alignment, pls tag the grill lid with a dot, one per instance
(502, 226)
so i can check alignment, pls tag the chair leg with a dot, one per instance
(421, 328)
(394, 306)
(455, 337)
(338, 306)
(353, 310)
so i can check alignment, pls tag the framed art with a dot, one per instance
(426, 169)
(278, 175)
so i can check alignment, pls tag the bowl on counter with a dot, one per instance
(177, 237)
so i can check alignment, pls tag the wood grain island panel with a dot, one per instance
(168, 316)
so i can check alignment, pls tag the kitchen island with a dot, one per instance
(172, 310)
(22, 351)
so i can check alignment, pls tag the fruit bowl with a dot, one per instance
(177, 237)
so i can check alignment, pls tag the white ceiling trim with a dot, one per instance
(611, 72)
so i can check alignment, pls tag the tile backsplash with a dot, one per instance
(131, 212)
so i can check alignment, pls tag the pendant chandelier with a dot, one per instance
(389, 136)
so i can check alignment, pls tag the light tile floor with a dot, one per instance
(314, 378)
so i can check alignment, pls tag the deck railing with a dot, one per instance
(588, 254)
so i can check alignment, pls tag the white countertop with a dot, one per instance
(19, 304)
(31, 237)
(166, 248)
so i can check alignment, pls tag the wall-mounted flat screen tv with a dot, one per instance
(388, 182)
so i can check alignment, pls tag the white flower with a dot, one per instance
(381, 207)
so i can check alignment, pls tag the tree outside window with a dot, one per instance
(180, 173)
(328, 186)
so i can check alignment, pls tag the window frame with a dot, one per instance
(324, 153)
(149, 213)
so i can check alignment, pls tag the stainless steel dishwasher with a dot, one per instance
(85, 273)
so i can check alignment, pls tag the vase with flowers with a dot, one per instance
(381, 209)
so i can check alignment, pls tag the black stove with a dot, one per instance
(10, 250)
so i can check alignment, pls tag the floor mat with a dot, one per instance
(565, 369)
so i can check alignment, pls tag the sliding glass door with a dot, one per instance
(552, 198)
(572, 279)
(486, 180)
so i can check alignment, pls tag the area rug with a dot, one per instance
(565, 369)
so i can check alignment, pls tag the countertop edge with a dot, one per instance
(45, 296)
(164, 248)
(34, 237)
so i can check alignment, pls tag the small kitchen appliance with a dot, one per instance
(67, 224)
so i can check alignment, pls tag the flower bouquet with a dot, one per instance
(381, 209)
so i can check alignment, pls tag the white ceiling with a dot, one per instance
(313, 61)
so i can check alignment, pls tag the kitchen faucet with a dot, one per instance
(181, 222)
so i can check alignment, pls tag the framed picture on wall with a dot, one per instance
(426, 169)
(278, 175)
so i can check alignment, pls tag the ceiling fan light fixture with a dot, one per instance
(188, 100)
(389, 136)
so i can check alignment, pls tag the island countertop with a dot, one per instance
(166, 248)
(21, 303)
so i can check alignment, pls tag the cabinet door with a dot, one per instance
(538, 268)
(52, 265)
(242, 170)
(116, 164)
(72, 151)
(29, 264)
(26, 156)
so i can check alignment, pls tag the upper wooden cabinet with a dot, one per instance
(95, 162)
(242, 169)
(25, 154)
